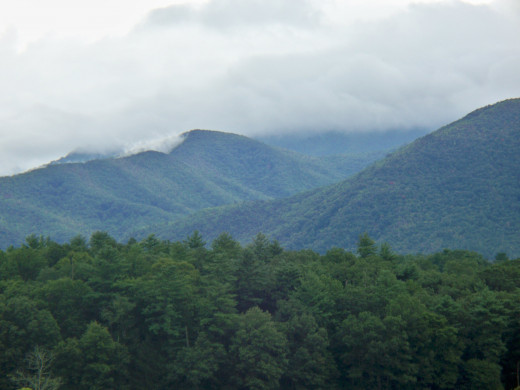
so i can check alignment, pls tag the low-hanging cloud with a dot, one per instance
(256, 67)
(230, 14)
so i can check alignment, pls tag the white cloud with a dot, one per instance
(251, 66)
(230, 14)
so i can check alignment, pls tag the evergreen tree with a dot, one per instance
(366, 246)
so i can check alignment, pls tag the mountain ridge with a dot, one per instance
(125, 193)
(459, 186)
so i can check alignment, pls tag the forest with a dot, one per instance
(154, 314)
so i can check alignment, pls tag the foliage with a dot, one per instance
(159, 314)
(37, 373)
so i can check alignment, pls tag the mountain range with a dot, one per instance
(338, 143)
(81, 193)
(457, 187)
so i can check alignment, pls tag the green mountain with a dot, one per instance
(335, 142)
(119, 195)
(458, 187)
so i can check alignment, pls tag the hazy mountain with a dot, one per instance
(458, 187)
(121, 194)
(334, 142)
(81, 157)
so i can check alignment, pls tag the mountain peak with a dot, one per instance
(457, 187)
(510, 106)
(206, 169)
(208, 134)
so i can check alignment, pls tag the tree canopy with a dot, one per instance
(189, 315)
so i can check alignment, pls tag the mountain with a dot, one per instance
(82, 157)
(119, 195)
(458, 187)
(334, 142)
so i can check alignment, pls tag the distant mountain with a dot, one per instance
(119, 195)
(352, 143)
(82, 157)
(458, 187)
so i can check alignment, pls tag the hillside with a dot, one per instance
(335, 142)
(253, 166)
(121, 194)
(458, 187)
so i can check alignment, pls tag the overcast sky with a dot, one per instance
(104, 74)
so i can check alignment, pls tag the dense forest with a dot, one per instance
(154, 314)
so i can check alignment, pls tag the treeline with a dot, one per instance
(155, 314)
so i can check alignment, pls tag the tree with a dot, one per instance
(196, 250)
(376, 352)
(27, 261)
(195, 241)
(263, 249)
(366, 246)
(385, 252)
(37, 375)
(94, 362)
(311, 365)
(259, 352)
(252, 280)
(435, 350)
(197, 367)
(23, 324)
(501, 257)
(168, 299)
(363, 349)
(221, 263)
(71, 302)
(79, 243)
(101, 240)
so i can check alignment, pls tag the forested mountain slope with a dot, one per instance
(458, 187)
(334, 142)
(120, 194)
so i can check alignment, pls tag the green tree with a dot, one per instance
(435, 350)
(366, 246)
(118, 316)
(23, 324)
(101, 240)
(320, 295)
(258, 351)
(376, 352)
(168, 300)
(199, 366)
(94, 362)
(71, 302)
(483, 323)
(28, 262)
(363, 346)
(195, 241)
(310, 365)
(253, 279)
(385, 252)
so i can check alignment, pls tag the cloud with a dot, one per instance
(163, 145)
(229, 14)
(256, 67)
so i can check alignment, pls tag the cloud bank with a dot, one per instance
(256, 67)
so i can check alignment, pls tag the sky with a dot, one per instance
(104, 75)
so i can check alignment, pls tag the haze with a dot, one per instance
(105, 75)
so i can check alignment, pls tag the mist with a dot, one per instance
(254, 68)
